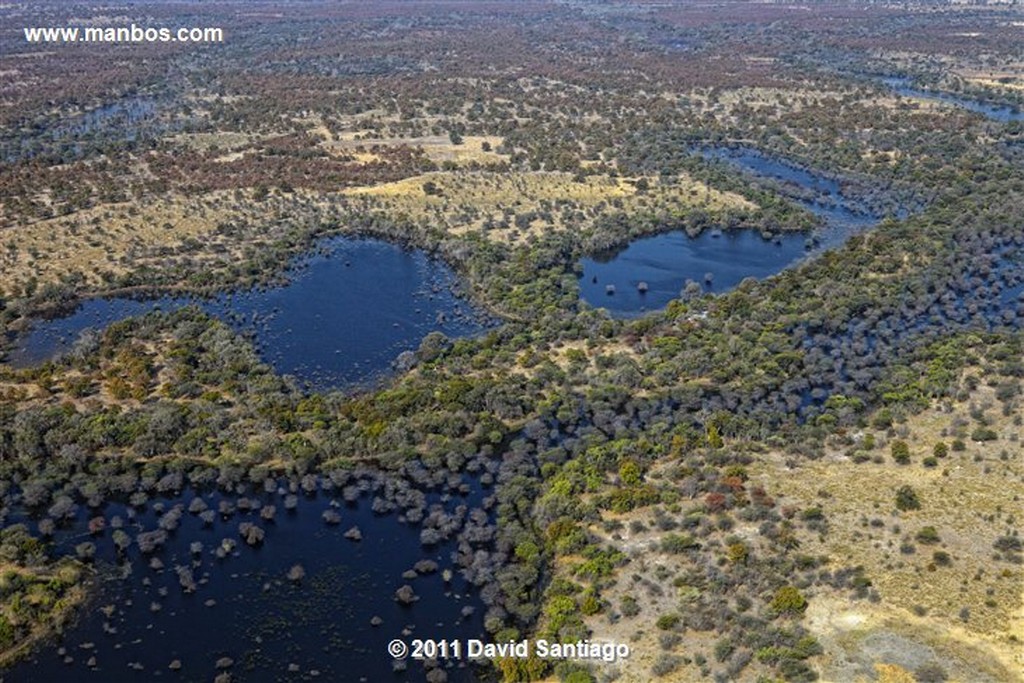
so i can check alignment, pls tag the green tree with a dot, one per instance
(667, 621)
(6, 633)
(882, 419)
(900, 452)
(789, 600)
(737, 553)
(629, 473)
(514, 669)
(906, 499)
(984, 434)
(714, 437)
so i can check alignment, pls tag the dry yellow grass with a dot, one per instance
(791, 99)
(109, 238)
(970, 498)
(438, 148)
(561, 353)
(997, 83)
(466, 201)
(1008, 76)
(858, 637)
(890, 673)
(727, 102)
(358, 135)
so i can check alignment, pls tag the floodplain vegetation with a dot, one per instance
(815, 476)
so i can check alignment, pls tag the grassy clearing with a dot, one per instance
(564, 354)
(730, 103)
(954, 597)
(102, 244)
(362, 135)
(947, 598)
(1008, 75)
(512, 206)
(474, 149)
(106, 240)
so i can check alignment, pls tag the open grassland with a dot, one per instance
(951, 594)
(363, 145)
(512, 206)
(225, 141)
(100, 245)
(105, 247)
(1008, 75)
(775, 100)
(108, 240)
(945, 577)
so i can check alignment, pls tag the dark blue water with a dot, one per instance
(272, 628)
(348, 309)
(904, 86)
(345, 314)
(665, 262)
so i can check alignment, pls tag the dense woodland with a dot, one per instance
(578, 419)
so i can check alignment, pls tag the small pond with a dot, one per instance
(347, 311)
(665, 262)
(651, 271)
